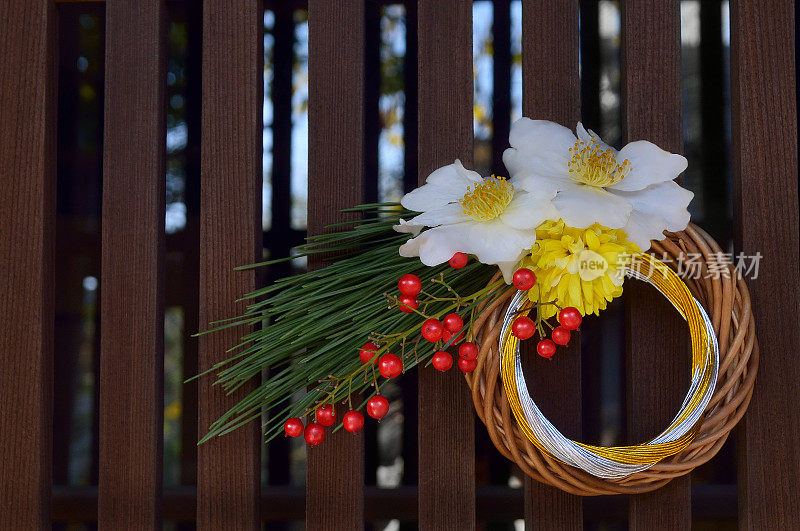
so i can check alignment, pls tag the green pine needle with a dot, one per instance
(313, 324)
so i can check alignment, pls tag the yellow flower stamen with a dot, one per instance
(592, 165)
(488, 199)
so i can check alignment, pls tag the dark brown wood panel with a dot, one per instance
(551, 87)
(551, 91)
(657, 338)
(132, 313)
(335, 477)
(765, 200)
(446, 418)
(27, 214)
(228, 467)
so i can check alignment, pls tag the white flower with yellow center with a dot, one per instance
(631, 189)
(492, 218)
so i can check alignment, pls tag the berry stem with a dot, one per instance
(389, 340)
(350, 395)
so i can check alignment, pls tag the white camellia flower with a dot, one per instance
(492, 218)
(631, 189)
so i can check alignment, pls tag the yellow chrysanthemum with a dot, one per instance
(583, 268)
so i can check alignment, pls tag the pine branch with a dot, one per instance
(314, 323)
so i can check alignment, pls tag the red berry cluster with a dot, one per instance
(353, 421)
(410, 286)
(434, 330)
(390, 365)
(569, 319)
(524, 328)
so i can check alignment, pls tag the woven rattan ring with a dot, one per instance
(726, 300)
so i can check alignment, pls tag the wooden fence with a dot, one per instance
(229, 496)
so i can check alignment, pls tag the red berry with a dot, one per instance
(293, 427)
(377, 407)
(407, 303)
(453, 322)
(315, 433)
(409, 284)
(458, 261)
(367, 353)
(442, 361)
(560, 335)
(432, 330)
(467, 365)
(326, 414)
(353, 421)
(447, 336)
(523, 327)
(468, 351)
(524, 279)
(570, 318)
(390, 365)
(546, 348)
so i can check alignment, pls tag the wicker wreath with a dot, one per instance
(727, 302)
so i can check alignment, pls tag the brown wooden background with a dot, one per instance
(221, 483)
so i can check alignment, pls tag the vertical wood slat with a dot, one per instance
(446, 419)
(551, 91)
(764, 138)
(335, 473)
(229, 467)
(27, 214)
(132, 314)
(657, 376)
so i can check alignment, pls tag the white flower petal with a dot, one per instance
(667, 201)
(587, 135)
(491, 242)
(582, 133)
(642, 228)
(407, 228)
(580, 206)
(649, 165)
(535, 182)
(508, 268)
(437, 245)
(527, 210)
(429, 197)
(454, 176)
(538, 146)
(445, 185)
(445, 215)
(410, 249)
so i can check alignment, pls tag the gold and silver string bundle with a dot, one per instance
(620, 461)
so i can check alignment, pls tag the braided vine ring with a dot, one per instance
(619, 461)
